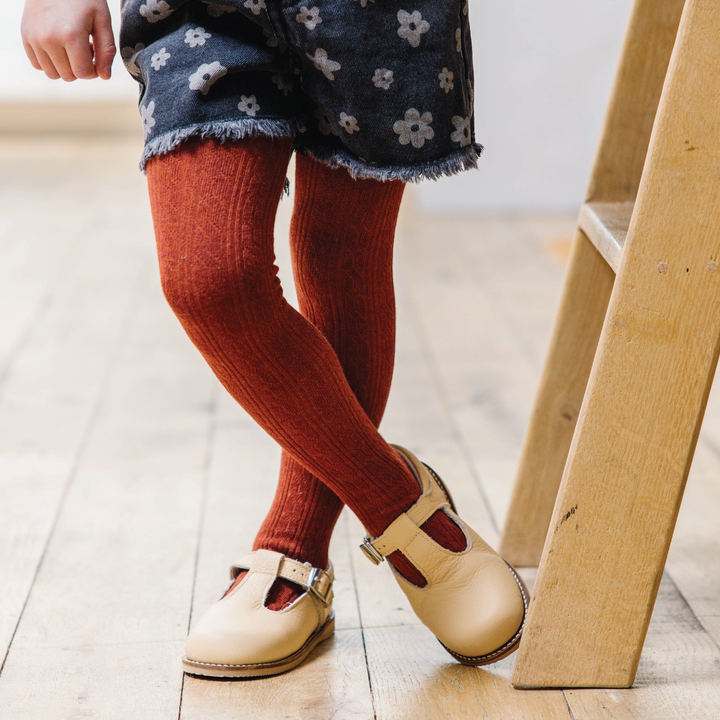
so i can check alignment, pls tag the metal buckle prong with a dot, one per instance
(370, 552)
(313, 588)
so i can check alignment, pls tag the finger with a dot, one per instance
(104, 44)
(80, 58)
(60, 60)
(31, 56)
(46, 64)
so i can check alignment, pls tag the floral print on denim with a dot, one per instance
(155, 10)
(412, 26)
(348, 123)
(309, 18)
(204, 77)
(324, 64)
(462, 132)
(129, 55)
(159, 59)
(415, 128)
(446, 80)
(257, 6)
(383, 88)
(148, 121)
(196, 36)
(382, 78)
(248, 105)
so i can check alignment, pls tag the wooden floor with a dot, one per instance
(129, 481)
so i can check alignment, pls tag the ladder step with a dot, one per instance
(606, 224)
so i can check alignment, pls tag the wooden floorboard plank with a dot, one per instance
(30, 262)
(678, 676)
(485, 297)
(414, 677)
(694, 557)
(103, 629)
(51, 386)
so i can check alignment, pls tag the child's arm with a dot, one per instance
(56, 35)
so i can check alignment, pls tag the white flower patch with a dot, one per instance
(160, 58)
(446, 80)
(309, 18)
(216, 10)
(155, 10)
(148, 121)
(207, 74)
(348, 123)
(324, 64)
(248, 105)
(325, 124)
(196, 36)
(257, 6)
(283, 82)
(363, 3)
(415, 128)
(458, 40)
(382, 78)
(412, 26)
(466, 7)
(462, 130)
(129, 57)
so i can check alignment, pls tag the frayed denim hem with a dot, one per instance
(458, 161)
(222, 131)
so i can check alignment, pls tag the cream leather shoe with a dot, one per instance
(239, 637)
(474, 602)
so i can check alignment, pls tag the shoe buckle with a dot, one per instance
(314, 587)
(370, 552)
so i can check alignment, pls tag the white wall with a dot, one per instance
(543, 75)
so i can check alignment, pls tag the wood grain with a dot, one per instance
(57, 354)
(606, 225)
(413, 676)
(639, 423)
(108, 609)
(678, 676)
(615, 178)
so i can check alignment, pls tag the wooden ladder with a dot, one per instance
(631, 361)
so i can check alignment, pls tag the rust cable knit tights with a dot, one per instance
(316, 382)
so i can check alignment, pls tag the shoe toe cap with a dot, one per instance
(225, 638)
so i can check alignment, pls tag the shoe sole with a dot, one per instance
(275, 667)
(510, 646)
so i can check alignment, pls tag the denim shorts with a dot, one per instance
(383, 88)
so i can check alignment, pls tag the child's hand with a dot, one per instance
(56, 35)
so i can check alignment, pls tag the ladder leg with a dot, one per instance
(638, 426)
(616, 176)
(588, 285)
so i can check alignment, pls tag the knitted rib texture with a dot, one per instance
(317, 382)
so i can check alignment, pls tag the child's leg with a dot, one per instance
(214, 209)
(341, 241)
